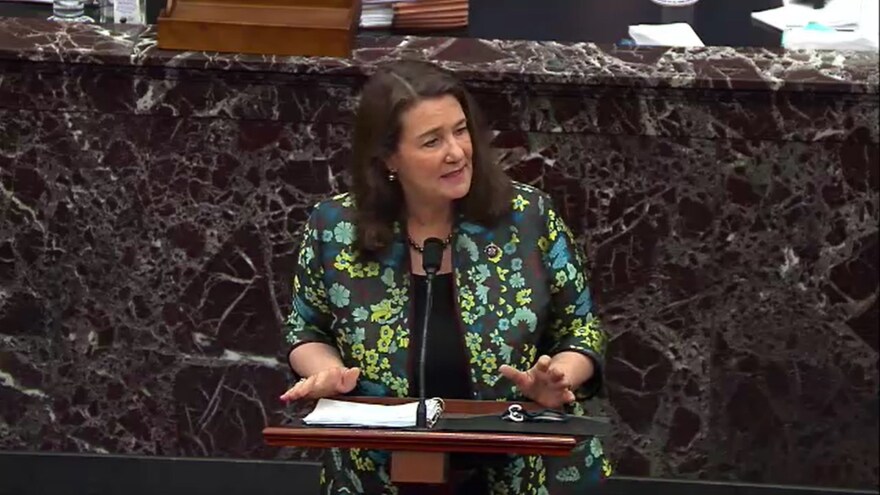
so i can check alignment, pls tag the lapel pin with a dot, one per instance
(492, 251)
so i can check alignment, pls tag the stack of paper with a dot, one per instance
(813, 39)
(840, 25)
(329, 412)
(377, 13)
(837, 14)
(376, 16)
(677, 34)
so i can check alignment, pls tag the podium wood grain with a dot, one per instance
(419, 441)
(419, 467)
(269, 27)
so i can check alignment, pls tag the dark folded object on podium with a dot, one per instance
(455, 416)
(576, 426)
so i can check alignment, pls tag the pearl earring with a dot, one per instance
(392, 176)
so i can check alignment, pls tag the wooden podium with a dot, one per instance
(268, 27)
(422, 456)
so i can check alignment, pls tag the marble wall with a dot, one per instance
(728, 202)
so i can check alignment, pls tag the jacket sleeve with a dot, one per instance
(310, 317)
(573, 326)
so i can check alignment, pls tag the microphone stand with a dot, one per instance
(432, 257)
(422, 410)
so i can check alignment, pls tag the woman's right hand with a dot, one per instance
(327, 383)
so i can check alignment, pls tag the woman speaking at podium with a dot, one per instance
(511, 311)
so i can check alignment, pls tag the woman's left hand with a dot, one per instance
(545, 383)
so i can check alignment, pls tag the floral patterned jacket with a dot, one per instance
(521, 292)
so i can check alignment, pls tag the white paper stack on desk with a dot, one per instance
(837, 14)
(377, 13)
(840, 25)
(676, 34)
(330, 412)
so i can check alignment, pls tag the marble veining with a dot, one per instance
(727, 200)
(492, 60)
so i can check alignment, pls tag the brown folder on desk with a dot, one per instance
(431, 14)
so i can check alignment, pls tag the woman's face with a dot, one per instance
(433, 160)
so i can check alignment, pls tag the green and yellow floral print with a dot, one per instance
(521, 291)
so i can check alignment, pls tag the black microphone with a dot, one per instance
(432, 257)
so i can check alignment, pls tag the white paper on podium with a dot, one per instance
(812, 39)
(837, 14)
(840, 25)
(330, 412)
(676, 34)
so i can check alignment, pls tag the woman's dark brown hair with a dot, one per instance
(393, 89)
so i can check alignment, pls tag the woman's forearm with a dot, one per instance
(313, 357)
